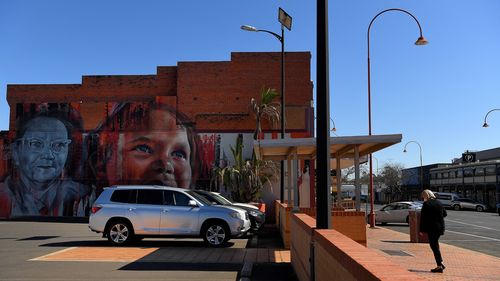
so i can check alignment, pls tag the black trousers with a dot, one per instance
(434, 243)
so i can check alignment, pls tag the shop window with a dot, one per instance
(490, 170)
(469, 172)
(479, 171)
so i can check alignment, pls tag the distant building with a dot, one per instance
(478, 180)
(411, 186)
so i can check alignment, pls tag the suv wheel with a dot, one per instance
(120, 232)
(456, 207)
(479, 208)
(215, 234)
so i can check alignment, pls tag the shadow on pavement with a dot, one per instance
(138, 265)
(273, 271)
(145, 243)
(396, 241)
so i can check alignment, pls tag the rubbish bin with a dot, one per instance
(414, 220)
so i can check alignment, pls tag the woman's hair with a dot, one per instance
(101, 143)
(427, 194)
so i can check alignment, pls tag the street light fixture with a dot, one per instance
(334, 129)
(485, 125)
(421, 169)
(286, 21)
(420, 41)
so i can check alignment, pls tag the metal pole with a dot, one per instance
(282, 164)
(323, 218)
(420, 41)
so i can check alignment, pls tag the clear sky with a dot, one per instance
(436, 95)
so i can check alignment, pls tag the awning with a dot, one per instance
(305, 148)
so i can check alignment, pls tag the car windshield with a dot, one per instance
(221, 198)
(199, 197)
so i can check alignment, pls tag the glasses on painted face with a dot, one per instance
(38, 145)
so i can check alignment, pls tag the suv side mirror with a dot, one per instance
(192, 203)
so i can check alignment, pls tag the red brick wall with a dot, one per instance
(216, 95)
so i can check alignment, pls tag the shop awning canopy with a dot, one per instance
(305, 148)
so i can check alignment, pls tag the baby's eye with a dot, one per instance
(144, 148)
(179, 154)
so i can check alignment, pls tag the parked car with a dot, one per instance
(466, 203)
(362, 198)
(127, 213)
(397, 212)
(257, 218)
(446, 198)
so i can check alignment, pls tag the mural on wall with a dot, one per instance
(42, 161)
(56, 168)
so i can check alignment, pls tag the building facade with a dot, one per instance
(479, 181)
(67, 141)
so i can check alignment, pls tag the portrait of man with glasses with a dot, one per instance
(39, 184)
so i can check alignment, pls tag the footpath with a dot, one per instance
(461, 264)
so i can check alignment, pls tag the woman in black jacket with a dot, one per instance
(432, 223)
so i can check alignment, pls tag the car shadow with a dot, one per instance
(144, 243)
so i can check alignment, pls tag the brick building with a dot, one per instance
(213, 96)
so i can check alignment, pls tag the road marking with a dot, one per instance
(51, 254)
(483, 237)
(475, 225)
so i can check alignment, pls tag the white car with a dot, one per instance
(397, 212)
(127, 213)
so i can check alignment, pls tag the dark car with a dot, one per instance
(257, 218)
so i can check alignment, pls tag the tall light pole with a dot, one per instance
(421, 169)
(286, 21)
(420, 41)
(485, 125)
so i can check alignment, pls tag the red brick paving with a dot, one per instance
(461, 264)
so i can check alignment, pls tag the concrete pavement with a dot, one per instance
(461, 264)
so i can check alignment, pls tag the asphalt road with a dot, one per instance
(477, 231)
(20, 242)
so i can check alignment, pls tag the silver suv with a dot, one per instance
(127, 213)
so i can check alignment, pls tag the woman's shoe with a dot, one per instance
(438, 269)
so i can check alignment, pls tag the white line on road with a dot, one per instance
(475, 225)
(483, 237)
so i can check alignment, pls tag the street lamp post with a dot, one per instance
(421, 169)
(420, 41)
(485, 125)
(286, 21)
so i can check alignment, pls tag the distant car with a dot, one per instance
(397, 212)
(362, 198)
(257, 218)
(446, 198)
(498, 208)
(127, 213)
(466, 203)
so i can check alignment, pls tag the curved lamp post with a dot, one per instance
(420, 41)
(286, 21)
(334, 129)
(421, 170)
(485, 125)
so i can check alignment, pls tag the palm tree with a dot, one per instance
(267, 109)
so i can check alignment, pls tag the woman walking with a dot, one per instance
(432, 223)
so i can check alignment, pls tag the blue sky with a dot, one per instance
(436, 95)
